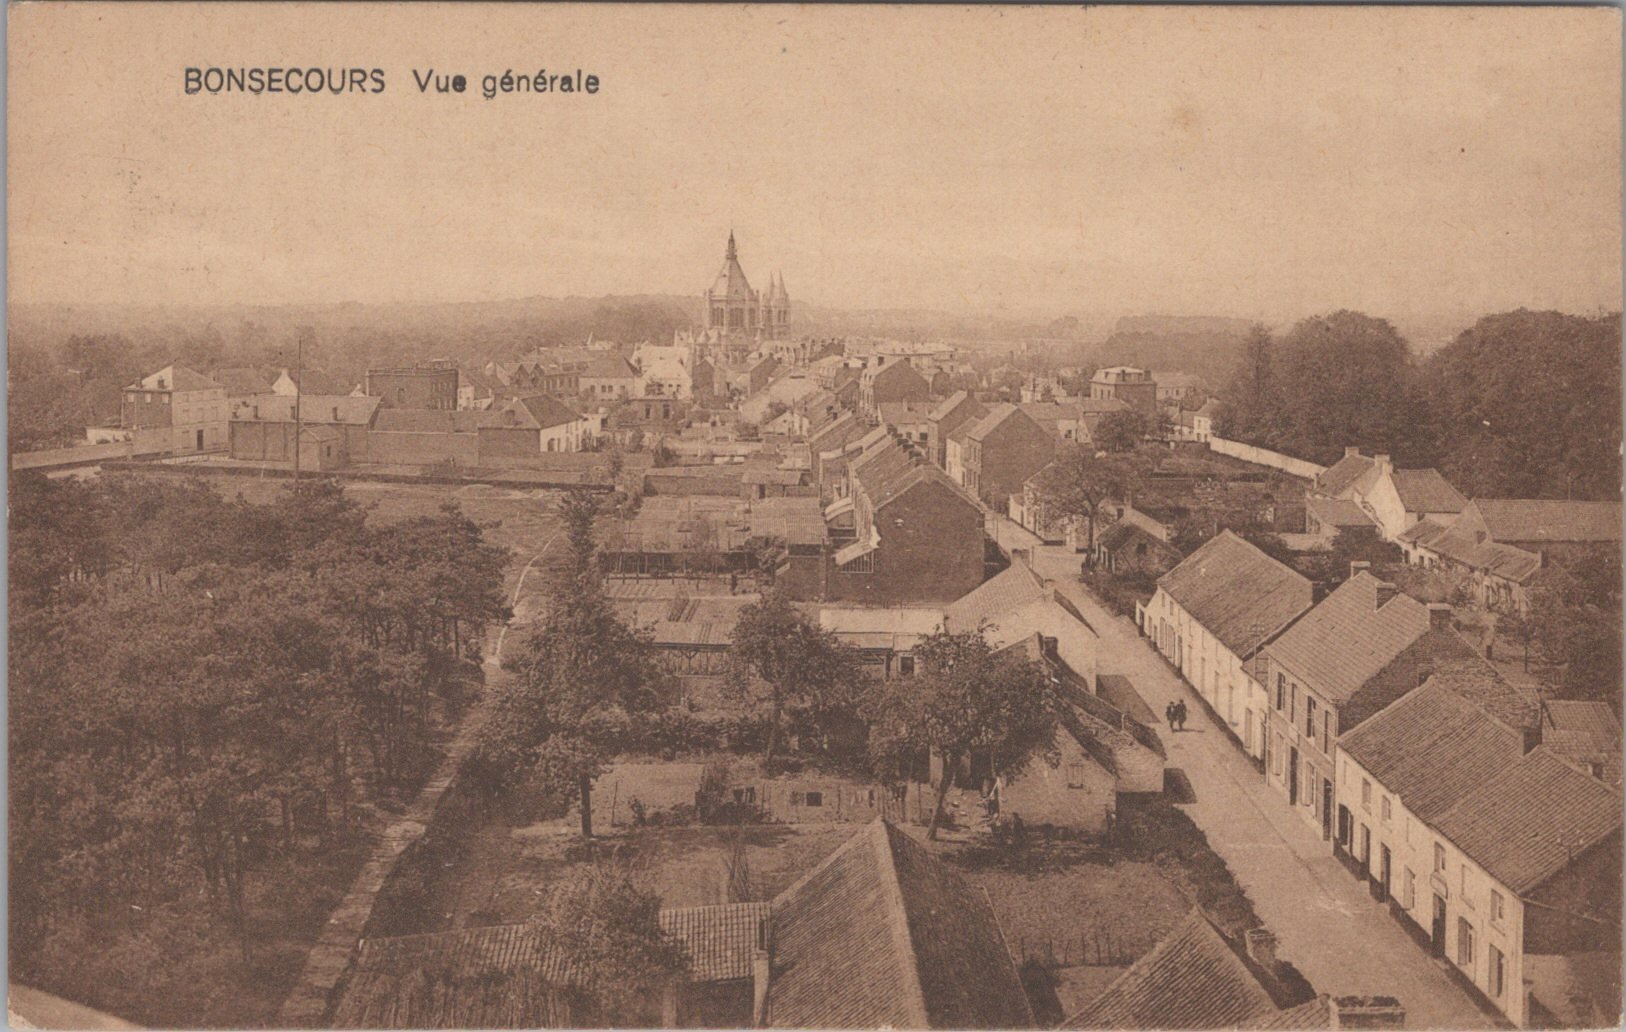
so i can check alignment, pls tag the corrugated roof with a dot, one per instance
(1347, 639)
(882, 935)
(1193, 979)
(1432, 747)
(1528, 822)
(1238, 593)
(1510, 519)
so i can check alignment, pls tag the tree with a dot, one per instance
(804, 667)
(607, 928)
(1574, 628)
(1250, 409)
(579, 664)
(1080, 481)
(1121, 431)
(1352, 383)
(966, 698)
(1527, 405)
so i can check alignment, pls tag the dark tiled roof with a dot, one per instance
(1342, 475)
(1510, 519)
(1347, 639)
(1424, 490)
(1338, 512)
(548, 411)
(1432, 747)
(1528, 822)
(720, 939)
(1420, 533)
(880, 934)
(1316, 1014)
(1587, 733)
(1193, 979)
(1240, 594)
(947, 405)
(1459, 545)
(315, 381)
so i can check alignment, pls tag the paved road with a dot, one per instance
(1329, 927)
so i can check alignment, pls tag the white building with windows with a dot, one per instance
(1210, 617)
(1494, 850)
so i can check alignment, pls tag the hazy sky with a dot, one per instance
(1252, 162)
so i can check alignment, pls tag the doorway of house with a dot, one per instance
(1293, 776)
(1437, 933)
(1383, 874)
(1326, 809)
(200, 440)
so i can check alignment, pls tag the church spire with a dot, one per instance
(730, 255)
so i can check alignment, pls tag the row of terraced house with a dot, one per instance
(1486, 817)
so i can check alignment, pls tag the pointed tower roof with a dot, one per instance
(731, 283)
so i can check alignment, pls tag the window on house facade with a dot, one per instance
(1439, 858)
(1495, 976)
(1326, 731)
(1497, 906)
(1386, 810)
(1465, 942)
(1309, 718)
(1408, 894)
(1281, 692)
(906, 665)
(815, 799)
(1463, 885)
(1075, 775)
(1366, 794)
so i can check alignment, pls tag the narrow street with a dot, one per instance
(1328, 925)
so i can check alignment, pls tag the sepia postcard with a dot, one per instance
(814, 516)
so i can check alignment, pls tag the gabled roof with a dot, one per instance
(1342, 475)
(1348, 638)
(1009, 590)
(1531, 820)
(992, 421)
(1425, 490)
(1239, 594)
(1193, 979)
(1422, 532)
(880, 934)
(175, 378)
(1432, 747)
(1338, 512)
(948, 405)
(895, 413)
(546, 410)
(610, 366)
(1511, 519)
(720, 939)
(1460, 545)
(1101, 406)
(1587, 733)
(315, 381)
(242, 380)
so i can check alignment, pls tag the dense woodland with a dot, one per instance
(203, 689)
(1522, 404)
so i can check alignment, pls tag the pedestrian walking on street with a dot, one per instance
(1168, 713)
(1180, 715)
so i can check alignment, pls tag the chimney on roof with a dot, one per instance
(1261, 946)
(1384, 465)
(1350, 451)
(1359, 566)
(1439, 616)
(761, 972)
(1366, 1012)
(1386, 591)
